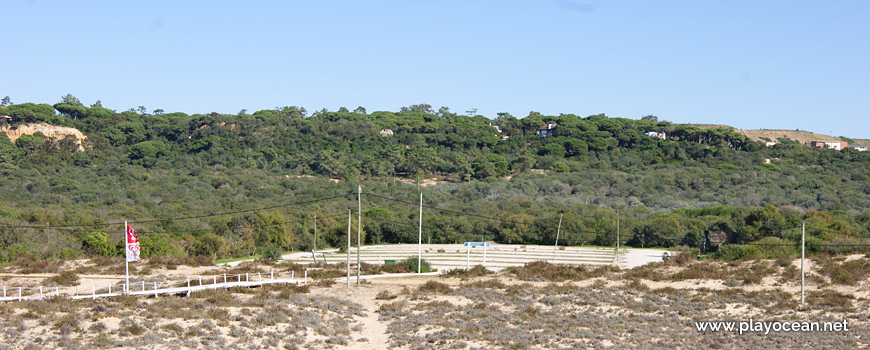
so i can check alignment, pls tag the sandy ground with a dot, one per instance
(372, 331)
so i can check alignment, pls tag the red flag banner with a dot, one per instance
(132, 244)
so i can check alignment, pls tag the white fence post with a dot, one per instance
(40, 292)
(56, 291)
(214, 282)
(259, 277)
(225, 278)
(467, 256)
(155, 290)
(306, 277)
(93, 292)
(271, 275)
(484, 254)
(143, 286)
(246, 276)
(19, 294)
(110, 287)
(200, 280)
(291, 275)
(4, 291)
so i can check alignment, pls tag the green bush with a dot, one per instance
(737, 251)
(775, 248)
(411, 264)
(272, 253)
(96, 243)
(560, 167)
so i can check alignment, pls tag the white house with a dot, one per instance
(660, 135)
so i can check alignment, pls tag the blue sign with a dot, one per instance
(477, 244)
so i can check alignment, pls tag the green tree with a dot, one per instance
(560, 167)
(96, 243)
(71, 100)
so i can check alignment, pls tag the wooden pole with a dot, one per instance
(314, 246)
(617, 238)
(803, 251)
(358, 231)
(126, 257)
(348, 246)
(420, 237)
(558, 230)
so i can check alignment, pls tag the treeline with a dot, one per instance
(158, 165)
(390, 215)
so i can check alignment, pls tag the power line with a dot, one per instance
(460, 213)
(244, 226)
(447, 210)
(180, 218)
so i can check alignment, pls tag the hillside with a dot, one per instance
(763, 135)
(196, 184)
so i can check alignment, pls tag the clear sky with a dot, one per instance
(750, 64)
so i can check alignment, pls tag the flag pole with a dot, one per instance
(126, 258)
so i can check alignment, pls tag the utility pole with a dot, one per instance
(558, 230)
(420, 237)
(126, 258)
(348, 245)
(617, 238)
(358, 230)
(314, 246)
(803, 250)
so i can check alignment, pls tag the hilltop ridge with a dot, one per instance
(763, 135)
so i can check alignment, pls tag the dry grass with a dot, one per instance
(476, 271)
(434, 287)
(544, 271)
(385, 295)
(64, 278)
(33, 264)
(846, 272)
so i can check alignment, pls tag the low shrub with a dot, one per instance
(385, 295)
(434, 287)
(476, 271)
(489, 284)
(847, 272)
(32, 264)
(830, 298)
(544, 271)
(396, 268)
(65, 278)
(411, 265)
(272, 253)
(737, 251)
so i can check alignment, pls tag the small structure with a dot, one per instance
(468, 246)
(3, 112)
(862, 148)
(771, 143)
(546, 130)
(386, 132)
(660, 135)
(837, 145)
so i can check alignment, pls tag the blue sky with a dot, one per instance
(750, 64)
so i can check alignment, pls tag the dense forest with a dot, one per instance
(225, 185)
